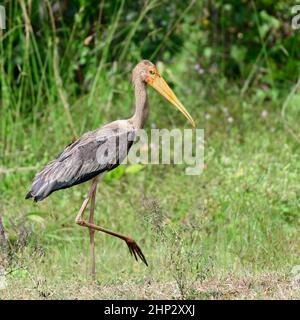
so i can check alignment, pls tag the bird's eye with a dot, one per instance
(152, 72)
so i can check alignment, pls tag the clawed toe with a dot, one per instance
(135, 251)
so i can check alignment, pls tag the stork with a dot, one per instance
(94, 153)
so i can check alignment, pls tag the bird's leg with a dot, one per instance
(86, 201)
(134, 249)
(91, 195)
(92, 232)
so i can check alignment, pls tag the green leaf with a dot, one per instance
(115, 174)
(20, 273)
(134, 168)
(238, 53)
(36, 218)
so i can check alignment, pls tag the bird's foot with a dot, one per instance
(79, 221)
(135, 250)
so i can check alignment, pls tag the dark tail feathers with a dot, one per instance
(29, 195)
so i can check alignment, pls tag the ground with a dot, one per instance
(230, 286)
(230, 233)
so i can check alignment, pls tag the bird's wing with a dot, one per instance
(93, 153)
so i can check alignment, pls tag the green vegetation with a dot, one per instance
(232, 232)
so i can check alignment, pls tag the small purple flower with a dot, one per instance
(198, 68)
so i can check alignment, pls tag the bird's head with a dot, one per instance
(145, 71)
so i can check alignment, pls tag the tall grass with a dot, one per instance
(59, 79)
(39, 63)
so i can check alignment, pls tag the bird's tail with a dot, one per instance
(36, 197)
(39, 190)
(29, 195)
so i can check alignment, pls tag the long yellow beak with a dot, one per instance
(159, 84)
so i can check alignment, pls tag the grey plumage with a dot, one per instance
(103, 150)
(96, 151)
(92, 154)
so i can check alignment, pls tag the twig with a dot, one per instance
(111, 94)
(61, 91)
(284, 107)
(28, 28)
(251, 74)
(3, 242)
(20, 169)
(173, 27)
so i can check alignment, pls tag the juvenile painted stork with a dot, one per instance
(87, 159)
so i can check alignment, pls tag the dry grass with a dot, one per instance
(266, 286)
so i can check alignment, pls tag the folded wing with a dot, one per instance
(92, 154)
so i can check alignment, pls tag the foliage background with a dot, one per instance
(65, 69)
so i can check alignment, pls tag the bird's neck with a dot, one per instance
(141, 105)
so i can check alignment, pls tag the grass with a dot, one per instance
(232, 232)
